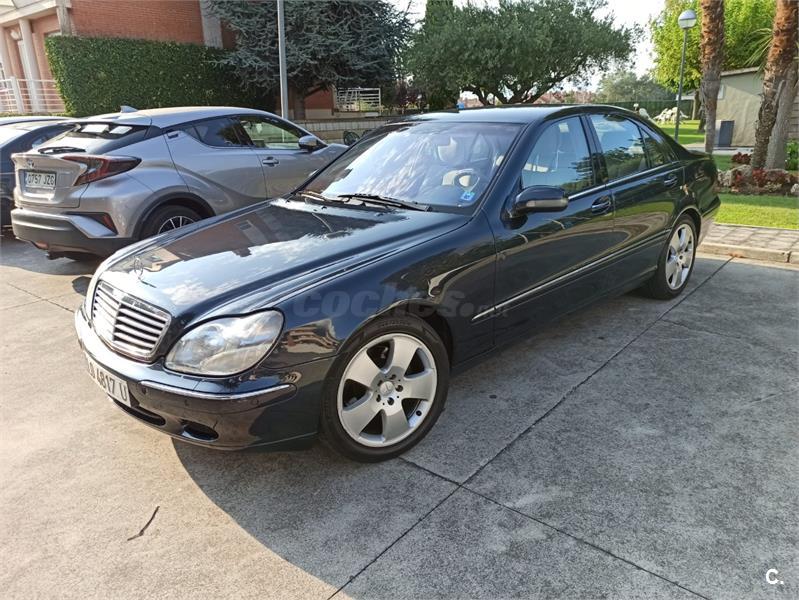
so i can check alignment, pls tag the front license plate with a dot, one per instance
(40, 179)
(111, 385)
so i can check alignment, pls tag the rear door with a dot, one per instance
(548, 260)
(643, 183)
(216, 162)
(276, 143)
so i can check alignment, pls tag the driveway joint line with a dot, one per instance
(391, 545)
(584, 541)
(728, 336)
(39, 297)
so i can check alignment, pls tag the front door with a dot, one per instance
(276, 143)
(546, 260)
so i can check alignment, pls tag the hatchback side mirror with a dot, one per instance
(309, 143)
(539, 198)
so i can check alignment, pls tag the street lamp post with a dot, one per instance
(686, 20)
(281, 59)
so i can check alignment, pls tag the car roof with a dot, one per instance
(176, 115)
(516, 113)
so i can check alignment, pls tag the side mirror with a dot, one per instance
(539, 198)
(309, 143)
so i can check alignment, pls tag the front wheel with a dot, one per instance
(386, 389)
(676, 262)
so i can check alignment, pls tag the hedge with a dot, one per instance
(98, 75)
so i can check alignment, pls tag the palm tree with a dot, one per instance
(779, 63)
(711, 48)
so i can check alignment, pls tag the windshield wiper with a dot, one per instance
(316, 196)
(377, 199)
(60, 149)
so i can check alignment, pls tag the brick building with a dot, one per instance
(24, 24)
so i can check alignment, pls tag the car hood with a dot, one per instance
(255, 257)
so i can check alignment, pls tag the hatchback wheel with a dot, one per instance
(676, 261)
(386, 390)
(168, 218)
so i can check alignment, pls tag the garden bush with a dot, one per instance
(97, 75)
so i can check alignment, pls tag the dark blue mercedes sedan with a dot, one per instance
(342, 308)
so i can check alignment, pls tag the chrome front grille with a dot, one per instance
(127, 324)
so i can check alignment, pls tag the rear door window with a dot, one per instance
(622, 146)
(95, 138)
(219, 132)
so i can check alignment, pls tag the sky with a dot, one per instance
(625, 12)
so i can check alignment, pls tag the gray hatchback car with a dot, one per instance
(118, 178)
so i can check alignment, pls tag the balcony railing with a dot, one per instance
(25, 96)
(358, 100)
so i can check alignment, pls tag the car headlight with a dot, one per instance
(225, 346)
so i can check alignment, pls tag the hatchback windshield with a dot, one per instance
(444, 165)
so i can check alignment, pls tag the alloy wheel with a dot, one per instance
(387, 390)
(680, 257)
(174, 223)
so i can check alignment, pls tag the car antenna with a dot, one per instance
(127, 109)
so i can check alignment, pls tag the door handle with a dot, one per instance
(670, 180)
(270, 161)
(601, 205)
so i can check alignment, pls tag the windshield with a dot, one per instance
(444, 165)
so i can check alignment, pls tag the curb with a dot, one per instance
(781, 256)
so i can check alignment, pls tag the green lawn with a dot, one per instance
(761, 211)
(723, 163)
(688, 131)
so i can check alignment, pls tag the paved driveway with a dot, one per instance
(643, 450)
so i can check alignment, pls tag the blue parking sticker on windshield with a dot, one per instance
(467, 196)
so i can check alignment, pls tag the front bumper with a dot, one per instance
(272, 411)
(58, 232)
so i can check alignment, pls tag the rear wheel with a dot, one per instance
(168, 218)
(386, 390)
(676, 262)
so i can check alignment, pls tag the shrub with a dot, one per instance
(741, 158)
(792, 156)
(97, 75)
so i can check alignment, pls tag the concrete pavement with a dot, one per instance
(641, 450)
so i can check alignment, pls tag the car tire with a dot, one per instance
(384, 398)
(167, 218)
(676, 262)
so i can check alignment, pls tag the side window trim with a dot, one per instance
(595, 183)
(660, 142)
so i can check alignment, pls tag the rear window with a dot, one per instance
(96, 138)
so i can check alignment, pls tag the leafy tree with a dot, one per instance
(779, 64)
(623, 86)
(712, 57)
(741, 19)
(516, 51)
(427, 59)
(342, 43)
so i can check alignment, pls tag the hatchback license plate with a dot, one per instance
(111, 385)
(40, 179)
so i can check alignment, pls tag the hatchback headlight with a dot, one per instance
(225, 346)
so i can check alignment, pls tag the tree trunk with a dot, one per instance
(695, 107)
(297, 103)
(712, 53)
(780, 61)
(776, 154)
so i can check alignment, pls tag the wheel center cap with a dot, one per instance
(386, 388)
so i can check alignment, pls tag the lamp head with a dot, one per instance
(687, 19)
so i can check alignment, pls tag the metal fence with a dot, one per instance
(25, 96)
(358, 100)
